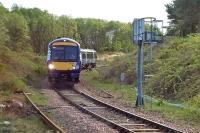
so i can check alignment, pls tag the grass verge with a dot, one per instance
(125, 92)
(185, 114)
(20, 72)
(30, 124)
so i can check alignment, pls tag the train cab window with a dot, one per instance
(64, 53)
(58, 53)
(71, 53)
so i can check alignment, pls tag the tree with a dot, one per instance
(18, 32)
(92, 32)
(67, 27)
(4, 37)
(184, 16)
(40, 28)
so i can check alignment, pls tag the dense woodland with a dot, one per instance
(32, 28)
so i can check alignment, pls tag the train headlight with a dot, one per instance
(51, 66)
(76, 67)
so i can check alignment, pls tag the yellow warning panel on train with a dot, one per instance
(64, 65)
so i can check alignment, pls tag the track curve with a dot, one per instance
(117, 118)
(49, 122)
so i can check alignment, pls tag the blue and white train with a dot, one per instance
(63, 60)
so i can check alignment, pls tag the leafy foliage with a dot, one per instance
(177, 67)
(18, 32)
(184, 16)
(122, 64)
(15, 69)
(43, 27)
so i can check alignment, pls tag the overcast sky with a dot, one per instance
(120, 10)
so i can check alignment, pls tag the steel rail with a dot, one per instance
(109, 122)
(125, 113)
(44, 117)
(147, 121)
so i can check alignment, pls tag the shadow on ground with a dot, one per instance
(61, 85)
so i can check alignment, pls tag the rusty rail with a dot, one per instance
(55, 127)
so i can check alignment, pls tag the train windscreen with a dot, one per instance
(64, 53)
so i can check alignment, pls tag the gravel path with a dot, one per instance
(71, 119)
(149, 115)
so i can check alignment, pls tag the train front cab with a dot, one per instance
(63, 60)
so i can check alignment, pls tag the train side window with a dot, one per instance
(91, 55)
(83, 55)
(88, 56)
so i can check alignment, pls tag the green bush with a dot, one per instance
(18, 70)
(39, 69)
(176, 69)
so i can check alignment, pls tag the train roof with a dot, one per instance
(88, 50)
(64, 39)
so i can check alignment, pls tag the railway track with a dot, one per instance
(117, 118)
(49, 122)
